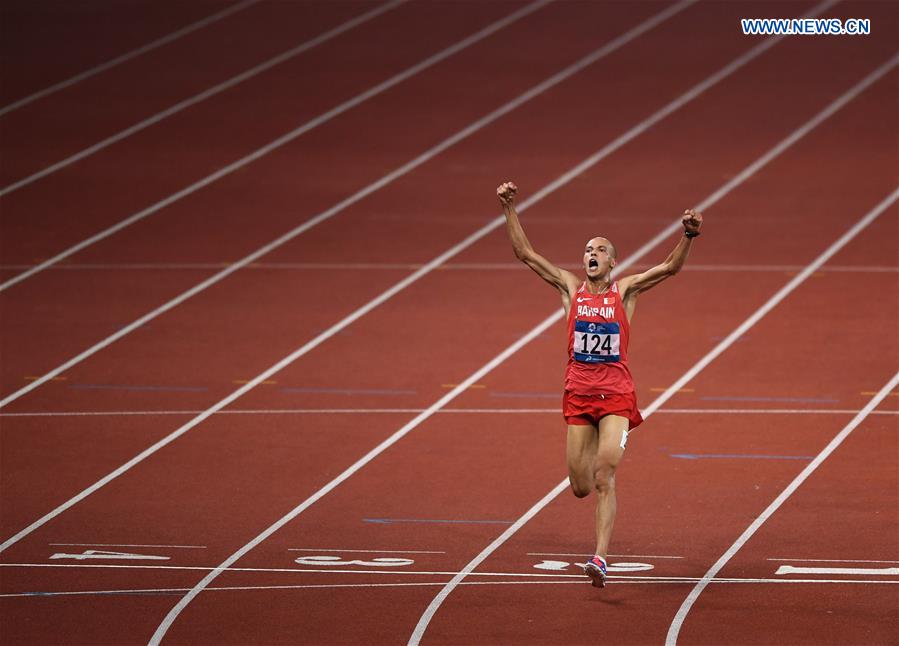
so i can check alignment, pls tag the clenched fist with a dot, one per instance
(692, 220)
(506, 193)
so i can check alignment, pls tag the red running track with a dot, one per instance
(213, 490)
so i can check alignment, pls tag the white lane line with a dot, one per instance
(444, 411)
(316, 549)
(522, 575)
(435, 604)
(134, 53)
(859, 226)
(321, 338)
(693, 579)
(772, 411)
(830, 561)
(532, 577)
(426, 617)
(580, 581)
(350, 471)
(285, 139)
(858, 571)
(368, 190)
(621, 556)
(567, 177)
(202, 96)
(674, 628)
(242, 588)
(295, 411)
(245, 588)
(456, 266)
(182, 547)
(497, 222)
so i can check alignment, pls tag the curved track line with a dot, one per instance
(435, 604)
(134, 53)
(564, 179)
(674, 629)
(315, 586)
(458, 266)
(284, 139)
(540, 328)
(415, 276)
(555, 185)
(406, 168)
(202, 96)
(464, 411)
(349, 472)
(535, 578)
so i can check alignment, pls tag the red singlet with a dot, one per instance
(598, 332)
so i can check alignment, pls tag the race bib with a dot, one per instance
(596, 342)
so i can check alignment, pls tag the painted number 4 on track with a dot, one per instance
(104, 554)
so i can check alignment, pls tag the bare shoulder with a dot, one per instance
(628, 295)
(569, 291)
(625, 287)
(572, 282)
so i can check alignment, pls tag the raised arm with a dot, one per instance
(562, 280)
(630, 286)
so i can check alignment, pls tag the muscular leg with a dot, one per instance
(608, 455)
(581, 453)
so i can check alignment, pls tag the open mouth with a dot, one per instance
(593, 264)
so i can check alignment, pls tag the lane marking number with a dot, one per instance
(869, 571)
(337, 561)
(103, 554)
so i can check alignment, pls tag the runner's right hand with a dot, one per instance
(506, 193)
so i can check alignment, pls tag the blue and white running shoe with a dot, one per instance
(595, 568)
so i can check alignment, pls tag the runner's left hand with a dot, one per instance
(692, 220)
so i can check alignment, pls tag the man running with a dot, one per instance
(599, 403)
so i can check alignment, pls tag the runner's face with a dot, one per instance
(598, 257)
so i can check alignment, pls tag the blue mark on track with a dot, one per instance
(350, 391)
(133, 593)
(187, 389)
(738, 456)
(552, 395)
(389, 521)
(803, 400)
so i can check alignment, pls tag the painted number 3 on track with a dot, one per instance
(337, 561)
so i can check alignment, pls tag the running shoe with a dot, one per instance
(595, 568)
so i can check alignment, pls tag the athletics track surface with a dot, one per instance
(209, 438)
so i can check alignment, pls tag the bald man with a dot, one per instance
(599, 403)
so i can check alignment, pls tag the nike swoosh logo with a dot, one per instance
(581, 300)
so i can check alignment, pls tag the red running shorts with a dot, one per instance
(587, 410)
